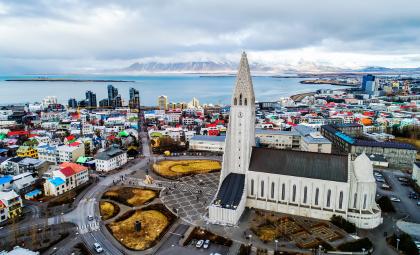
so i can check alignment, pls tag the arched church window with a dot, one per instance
(252, 187)
(246, 101)
(316, 196)
(340, 201)
(294, 193)
(355, 200)
(262, 188)
(272, 190)
(240, 99)
(283, 191)
(305, 194)
(364, 201)
(329, 198)
(235, 101)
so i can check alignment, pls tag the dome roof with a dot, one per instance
(363, 168)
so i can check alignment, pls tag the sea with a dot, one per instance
(179, 88)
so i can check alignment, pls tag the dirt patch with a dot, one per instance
(179, 168)
(155, 221)
(130, 196)
(202, 234)
(108, 210)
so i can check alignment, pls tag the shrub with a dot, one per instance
(406, 244)
(385, 204)
(344, 224)
(356, 246)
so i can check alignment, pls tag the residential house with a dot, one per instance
(12, 203)
(110, 159)
(71, 152)
(27, 151)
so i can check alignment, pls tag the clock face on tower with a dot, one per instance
(240, 114)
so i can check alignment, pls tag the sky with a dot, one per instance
(71, 36)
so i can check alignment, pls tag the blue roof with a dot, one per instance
(210, 138)
(345, 137)
(5, 179)
(56, 181)
(48, 147)
(33, 193)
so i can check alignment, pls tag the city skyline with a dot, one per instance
(89, 37)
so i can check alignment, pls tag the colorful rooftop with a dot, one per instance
(56, 181)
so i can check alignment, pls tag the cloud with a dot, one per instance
(71, 35)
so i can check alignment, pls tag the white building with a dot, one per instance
(70, 152)
(416, 172)
(207, 143)
(110, 159)
(310, 184)
(278, 139)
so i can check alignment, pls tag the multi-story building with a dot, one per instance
(48, 153)
(163, 102)
(82, 173)
(91, 99)
(110, 159)
(416, 172)
(134, 102)
(207, 143)
(54, 186)
(311, 140)
(12, 204)
(72, 103)
(278, 139)
(112, 94)
(27, 151)
(70, 152)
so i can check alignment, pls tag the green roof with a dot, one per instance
(82, 159)
(123, 133)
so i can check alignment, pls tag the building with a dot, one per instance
(19, 251)
(163, 102)
(311, 140)
(278, 139)
(134, 102)
(11, 203)
(54, 186)
(23, 183)
(370, 84)
(82, 172)
(396, 153)
(70, 152)
(110, 159)
(309, 184)
(207, 143)
(27, 152)
(112, 94)
(48, 153)
(91, 99)
(104, 103)
(72, 103)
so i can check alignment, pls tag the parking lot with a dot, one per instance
(398, 190)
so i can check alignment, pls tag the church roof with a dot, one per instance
(230, 193)
(243, 80)
(363, 168)
(311, 165)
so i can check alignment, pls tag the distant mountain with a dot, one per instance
(227, 67)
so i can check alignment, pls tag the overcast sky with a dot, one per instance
(80, 36)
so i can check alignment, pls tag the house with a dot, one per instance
(5, 182)
(110, 159)
(54, 186)
(207, 143)
(82, 173)
(23, 183)
(3, 212)
(48, 153)
(27, 151)
(70, 152)
(68, 175)
(12, 203)
(19, 251)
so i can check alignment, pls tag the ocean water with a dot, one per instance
(207, 89)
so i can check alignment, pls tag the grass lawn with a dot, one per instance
(154, 222)
(108, 210)
(178, 168)
(130, 196)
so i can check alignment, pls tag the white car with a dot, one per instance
(98, 247)
(206, 244)
(395, 199)
(199, 243)
(90, 218)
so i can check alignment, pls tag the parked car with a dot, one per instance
(90, 218)
(418, 203)
(98, 247)
(395, 199)
(206, 244)
(413, 195)
(385, 186)
(199, 243)
(379, 179)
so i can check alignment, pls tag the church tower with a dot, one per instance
(241, 129)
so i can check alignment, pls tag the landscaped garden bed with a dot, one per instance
(130, 196)
(179, 168)
(202, 234)
(108, 210)
(155, 221)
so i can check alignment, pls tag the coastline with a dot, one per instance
(66, 80)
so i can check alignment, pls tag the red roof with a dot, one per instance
(19, 132)
(74, 144)
(32, 135)
(70, 137)
(67, 171)
(76, 167)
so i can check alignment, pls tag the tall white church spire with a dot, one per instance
(241, 130)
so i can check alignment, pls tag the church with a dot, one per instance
(310, 184)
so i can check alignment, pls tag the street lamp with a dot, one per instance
(363, 250)
(250, 237)
(398, 242)
(276, 241)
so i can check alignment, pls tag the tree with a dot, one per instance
(356, 246)
(343, 223)
(385, 204)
